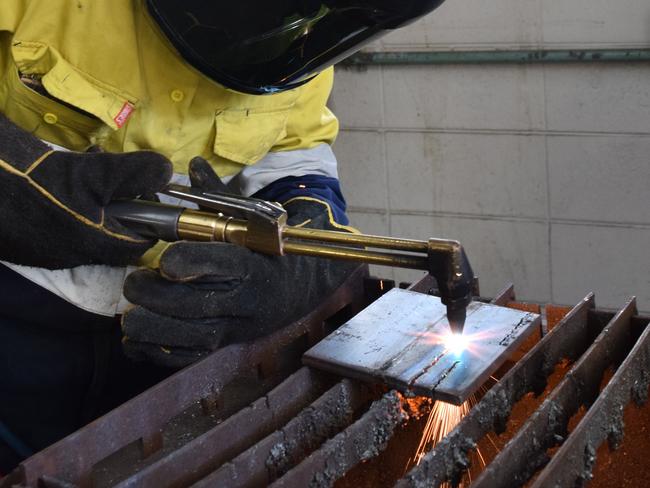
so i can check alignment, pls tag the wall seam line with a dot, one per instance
(549, 225)
(384, 156)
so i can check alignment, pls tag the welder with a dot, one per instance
(108, 100)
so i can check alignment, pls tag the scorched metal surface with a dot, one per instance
(400, 339)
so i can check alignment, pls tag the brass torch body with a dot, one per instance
(194, 225)
(203, 226)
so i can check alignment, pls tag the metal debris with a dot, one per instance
(274, 455)
(361, 441)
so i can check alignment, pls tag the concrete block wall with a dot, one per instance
(542, 171)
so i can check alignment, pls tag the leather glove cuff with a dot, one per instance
(313, 213)
(53, 205)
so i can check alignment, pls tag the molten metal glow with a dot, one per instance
(443, 418)
(474, 343)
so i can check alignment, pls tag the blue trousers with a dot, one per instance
(60, 367)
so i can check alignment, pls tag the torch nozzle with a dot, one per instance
(456, 318)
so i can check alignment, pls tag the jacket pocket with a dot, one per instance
(45, 117)
(78, 106)
(246, 135)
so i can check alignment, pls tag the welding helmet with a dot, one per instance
(258, 46)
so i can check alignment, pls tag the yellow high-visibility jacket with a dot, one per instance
(99, 72)
(127, 89)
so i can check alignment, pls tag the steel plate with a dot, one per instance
(402, 340)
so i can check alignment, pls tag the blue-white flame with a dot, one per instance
(456, 343)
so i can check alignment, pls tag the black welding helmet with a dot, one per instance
(258, 46)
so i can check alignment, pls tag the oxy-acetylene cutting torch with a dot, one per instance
(261, 226)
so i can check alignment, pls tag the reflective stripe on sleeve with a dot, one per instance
(319, 160)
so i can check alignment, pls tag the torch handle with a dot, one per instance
(149, 219)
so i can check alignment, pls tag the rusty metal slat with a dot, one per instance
(144, 416)
(554, 314)
(428, 285)
(448, 459)
(273, 456)
(363, 440)
(506, 295)
(572, 464)
(140, 417)
(48, 482)
(546, 428)
(425, 285)
(208, 451)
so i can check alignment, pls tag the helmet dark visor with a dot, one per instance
(257, 47)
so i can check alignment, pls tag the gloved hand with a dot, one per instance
(207, 295)
(52, 203)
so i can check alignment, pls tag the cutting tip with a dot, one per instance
(456, 320)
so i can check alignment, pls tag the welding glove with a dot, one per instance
(52, 203)
(207, 295)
